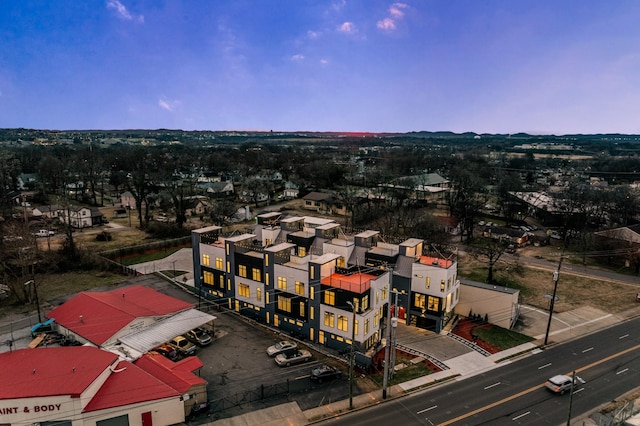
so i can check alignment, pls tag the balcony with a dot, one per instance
(356, 283)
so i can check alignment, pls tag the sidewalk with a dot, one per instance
(565, 326)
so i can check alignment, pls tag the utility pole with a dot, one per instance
(390, 347)
(556, 276)
(353, 337)
(394, 328)
(573, 384)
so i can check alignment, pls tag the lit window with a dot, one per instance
(222, 282)
(419, 300)
(365, 302)
(284, 303)
(242, 271)
(259, 294)
(299, 287)
(329, 297)
(302, 309)
(449, 284)
(376, 318)
(257, 276)
(329, 319)
(282, 283)
(302, 252)
(205, 259)
(243, 290)
(442, 285)
(428, 282)
(219, 263)
(311, 313)
(433, 304)
(208, 277)
(340, 262)
(384, 293)
(343, 323)
(355, 328)
(366, 326)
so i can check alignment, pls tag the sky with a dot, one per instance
(484, 66)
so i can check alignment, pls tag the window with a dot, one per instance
(299, 287)
(329, 319)
(221, 282)
(302, 252)
(340, 262)
(228, 267)
(366, 326)
(449, 284)
(259, 294)
(266, 278)
(343, 323)
(208, 277)
(419, 301)
(442, 285)
(257, 275)
(243, 290)
(205, 259)
(312, 293)
(282, 283)
(428, 284)
(378, 297)
(284, 303)
(355, 328)
(433, 304)
(311, 313)
(376, 318)
(242, 271)
(330, 297)
(365, 302)
(384, 293)
(302, 309)
(219, 263)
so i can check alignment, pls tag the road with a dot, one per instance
(608, 362)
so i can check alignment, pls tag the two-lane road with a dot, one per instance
(608, 362)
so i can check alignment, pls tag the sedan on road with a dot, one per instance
(297, 357)
(559, 384)
(281, 347)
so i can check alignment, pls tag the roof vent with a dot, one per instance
(81, 318)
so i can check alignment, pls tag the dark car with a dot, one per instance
(324, 372)
(167, 351)
(199, 337)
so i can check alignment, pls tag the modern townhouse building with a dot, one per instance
(304, 276)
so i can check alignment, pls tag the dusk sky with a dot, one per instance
(484, 66)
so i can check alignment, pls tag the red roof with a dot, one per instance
(178, 375)
(355, 283)
(96, 316)
(435, 261)
(29, 373)
(127, 385)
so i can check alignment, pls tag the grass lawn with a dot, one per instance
(501, 338)
(409, 372)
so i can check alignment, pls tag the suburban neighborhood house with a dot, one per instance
(304, 276)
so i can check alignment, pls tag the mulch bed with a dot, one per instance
(465, 328)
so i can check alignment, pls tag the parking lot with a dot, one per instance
(242, 377)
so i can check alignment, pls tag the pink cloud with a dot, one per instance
(387, 24)
(347, 28)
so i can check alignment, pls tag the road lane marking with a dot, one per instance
(587, 350)
(544, 366)
(622, 371)
(427, 409)
(490, 386)
(577, 391)
(521, 415)
(533, 388)
(624, 336)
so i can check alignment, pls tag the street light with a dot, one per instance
(353, 338)
(35, 292)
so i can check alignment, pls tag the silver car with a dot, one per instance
(281, 347)
(297, 357)
(559, 384)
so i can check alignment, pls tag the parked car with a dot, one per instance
(182, 345)
(281, 347)
(559, 384)
(44, 233)
(166, 351)
(286, 359)
(324, 372)
(198, 336)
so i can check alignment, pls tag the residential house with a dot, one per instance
(81, 217)
(324, 203)
(48, 212)
(506, 234)
(304, 276)
(218, 189)
(196, 206)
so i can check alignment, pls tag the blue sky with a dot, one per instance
(485, 66)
